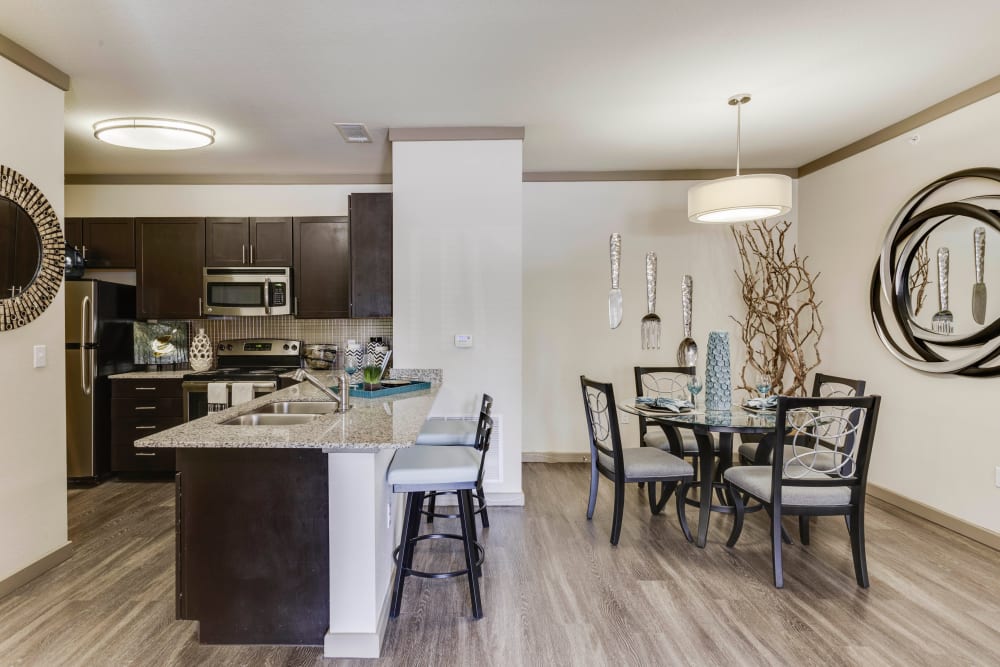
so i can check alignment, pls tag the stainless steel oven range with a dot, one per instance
(258, 360)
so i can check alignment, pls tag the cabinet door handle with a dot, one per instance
(243, 254)
(145, 407)
(199, 306)
(251, 253)
(144, 428)
(84, 253)
(145, 453)
(145, 388)
(296, 306)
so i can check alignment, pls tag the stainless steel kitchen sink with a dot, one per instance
(297, 408)
(270, 419)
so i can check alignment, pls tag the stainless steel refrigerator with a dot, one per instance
(99, 317)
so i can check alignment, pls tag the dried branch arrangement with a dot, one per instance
(920, 277)
(782, 328)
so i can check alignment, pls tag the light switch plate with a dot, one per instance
(40, 357)
(463, 340)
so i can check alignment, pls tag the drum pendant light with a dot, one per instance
(740, 198)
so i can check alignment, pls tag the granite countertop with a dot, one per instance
(370, 424)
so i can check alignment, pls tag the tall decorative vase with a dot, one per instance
(200, 354)
(718, 382)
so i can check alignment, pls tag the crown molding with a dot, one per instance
(972, 95)
(647, 175)
(24, 58)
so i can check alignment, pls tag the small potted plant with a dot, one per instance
(372, 376)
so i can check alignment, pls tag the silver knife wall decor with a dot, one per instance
(944, 346)
(615, 296)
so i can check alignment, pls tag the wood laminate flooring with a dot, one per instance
(555, 592)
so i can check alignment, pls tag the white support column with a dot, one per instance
(363, 519)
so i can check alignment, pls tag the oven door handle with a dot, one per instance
(267, 292)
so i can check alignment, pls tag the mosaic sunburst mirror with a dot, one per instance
(32, 255)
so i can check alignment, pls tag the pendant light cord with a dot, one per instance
(739, 108)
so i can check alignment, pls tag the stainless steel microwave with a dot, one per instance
(247, 290)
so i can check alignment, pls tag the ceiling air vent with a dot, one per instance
(354, 133)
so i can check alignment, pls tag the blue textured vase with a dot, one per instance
(718, 383)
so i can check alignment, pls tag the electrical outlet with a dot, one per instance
(998, 477)
(388, 513)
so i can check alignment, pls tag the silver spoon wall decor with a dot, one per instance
(687, 351)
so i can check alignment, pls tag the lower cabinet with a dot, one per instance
(140, 408)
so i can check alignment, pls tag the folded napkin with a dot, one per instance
(664, 403)
(769, 403)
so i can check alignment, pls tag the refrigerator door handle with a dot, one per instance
(86, 315)
(86, 381)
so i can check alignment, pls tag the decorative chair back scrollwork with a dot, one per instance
(667, 381)
(602, 425)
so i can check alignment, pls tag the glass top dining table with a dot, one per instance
(711, 463)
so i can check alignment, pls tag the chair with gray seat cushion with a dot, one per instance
(759, 453)
(454, 432)
(622, 466)
(825, 471)
(417, 471)
(669, 381)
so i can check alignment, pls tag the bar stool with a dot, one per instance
(454, 432)
(417, 471)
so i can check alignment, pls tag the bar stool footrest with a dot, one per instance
(407, 571)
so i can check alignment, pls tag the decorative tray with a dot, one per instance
(357, 391)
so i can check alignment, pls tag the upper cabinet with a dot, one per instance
(105, 243)
(321, 271)
(371, 254)
(248, 242)
(170, 255)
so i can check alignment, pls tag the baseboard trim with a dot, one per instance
(39, 567)
(951, 522)
(359, 644)
(555, 457)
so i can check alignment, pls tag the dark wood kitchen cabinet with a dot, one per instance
(106, 243)
(140, 408)
(248, 242)
(371, 254)
(322, 272)
(170, 256)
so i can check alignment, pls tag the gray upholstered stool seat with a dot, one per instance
(428, 468)
(655, 437)
(757, 481)
(448, 432)
(646, 462)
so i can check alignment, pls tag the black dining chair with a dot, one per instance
(759, 453)
(624, 466)
(825, 471)
(669, 381)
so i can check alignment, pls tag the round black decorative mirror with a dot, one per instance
(929, 292)
(31, 251)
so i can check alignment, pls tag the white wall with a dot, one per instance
(567, 276)
(937, 435)
(210, 200)
(457, 214)
(32, 401)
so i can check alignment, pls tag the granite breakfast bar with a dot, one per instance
(285, 532)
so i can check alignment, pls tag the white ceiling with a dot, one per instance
(598, 85)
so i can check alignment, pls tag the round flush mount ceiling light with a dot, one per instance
(740, 198)
(154, 134)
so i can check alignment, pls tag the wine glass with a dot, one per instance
(350, 365)
(763, 384)
(694, 386)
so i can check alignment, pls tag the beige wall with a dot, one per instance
(566, 282)
(938, 436)
(32, 401)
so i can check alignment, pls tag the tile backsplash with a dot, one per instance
(286, 326)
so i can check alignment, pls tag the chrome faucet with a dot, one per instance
(341, 399)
